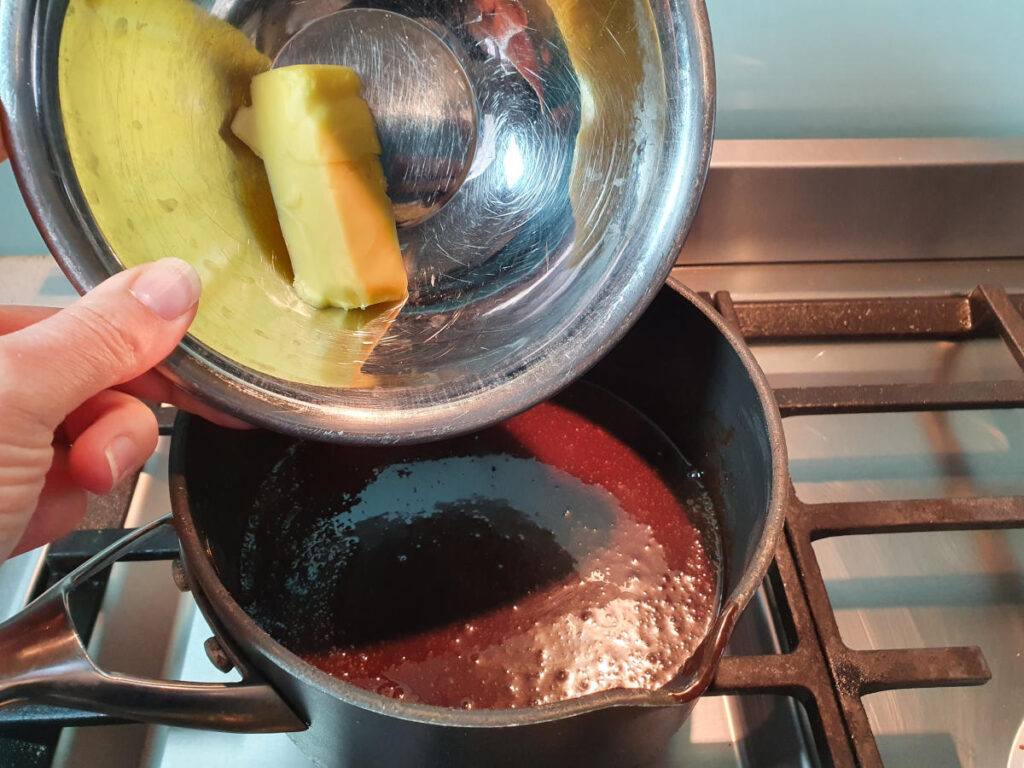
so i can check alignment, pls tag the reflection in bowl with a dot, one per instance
(544, 155)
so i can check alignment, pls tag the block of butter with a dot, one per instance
(319, 145)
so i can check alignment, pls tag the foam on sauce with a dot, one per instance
(540, 560)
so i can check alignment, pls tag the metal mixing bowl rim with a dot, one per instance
(53, 204)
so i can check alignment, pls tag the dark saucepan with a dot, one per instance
(679, 366)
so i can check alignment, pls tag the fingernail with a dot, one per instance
(169, 287)
(121, 456)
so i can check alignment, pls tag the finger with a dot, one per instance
(117, 331)
(112, 435)
(3, 149)
(14, 318)
(153, 386)
(61, 506)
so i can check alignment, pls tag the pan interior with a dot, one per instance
(569, 550)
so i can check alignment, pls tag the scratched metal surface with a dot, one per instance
(545, 157)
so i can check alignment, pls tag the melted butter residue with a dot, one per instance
(148, 89)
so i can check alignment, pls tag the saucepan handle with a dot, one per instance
(43, 660)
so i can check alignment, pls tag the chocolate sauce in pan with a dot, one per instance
(568, 550)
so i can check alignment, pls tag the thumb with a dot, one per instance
(116, 332)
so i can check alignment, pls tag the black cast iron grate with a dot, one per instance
(817, 668)
(827, 676)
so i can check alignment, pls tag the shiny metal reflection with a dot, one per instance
(545, 186)
(418, 91)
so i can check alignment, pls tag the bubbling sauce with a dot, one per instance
(566, 551)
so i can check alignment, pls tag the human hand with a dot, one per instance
(70, 420)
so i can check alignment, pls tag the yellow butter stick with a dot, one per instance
(319, 145)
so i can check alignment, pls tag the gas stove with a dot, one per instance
(901, 574)
(880, 284)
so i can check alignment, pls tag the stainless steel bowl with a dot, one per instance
(545, 159)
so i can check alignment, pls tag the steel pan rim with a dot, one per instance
(775, 517)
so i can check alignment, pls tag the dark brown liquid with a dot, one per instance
(536, 561)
